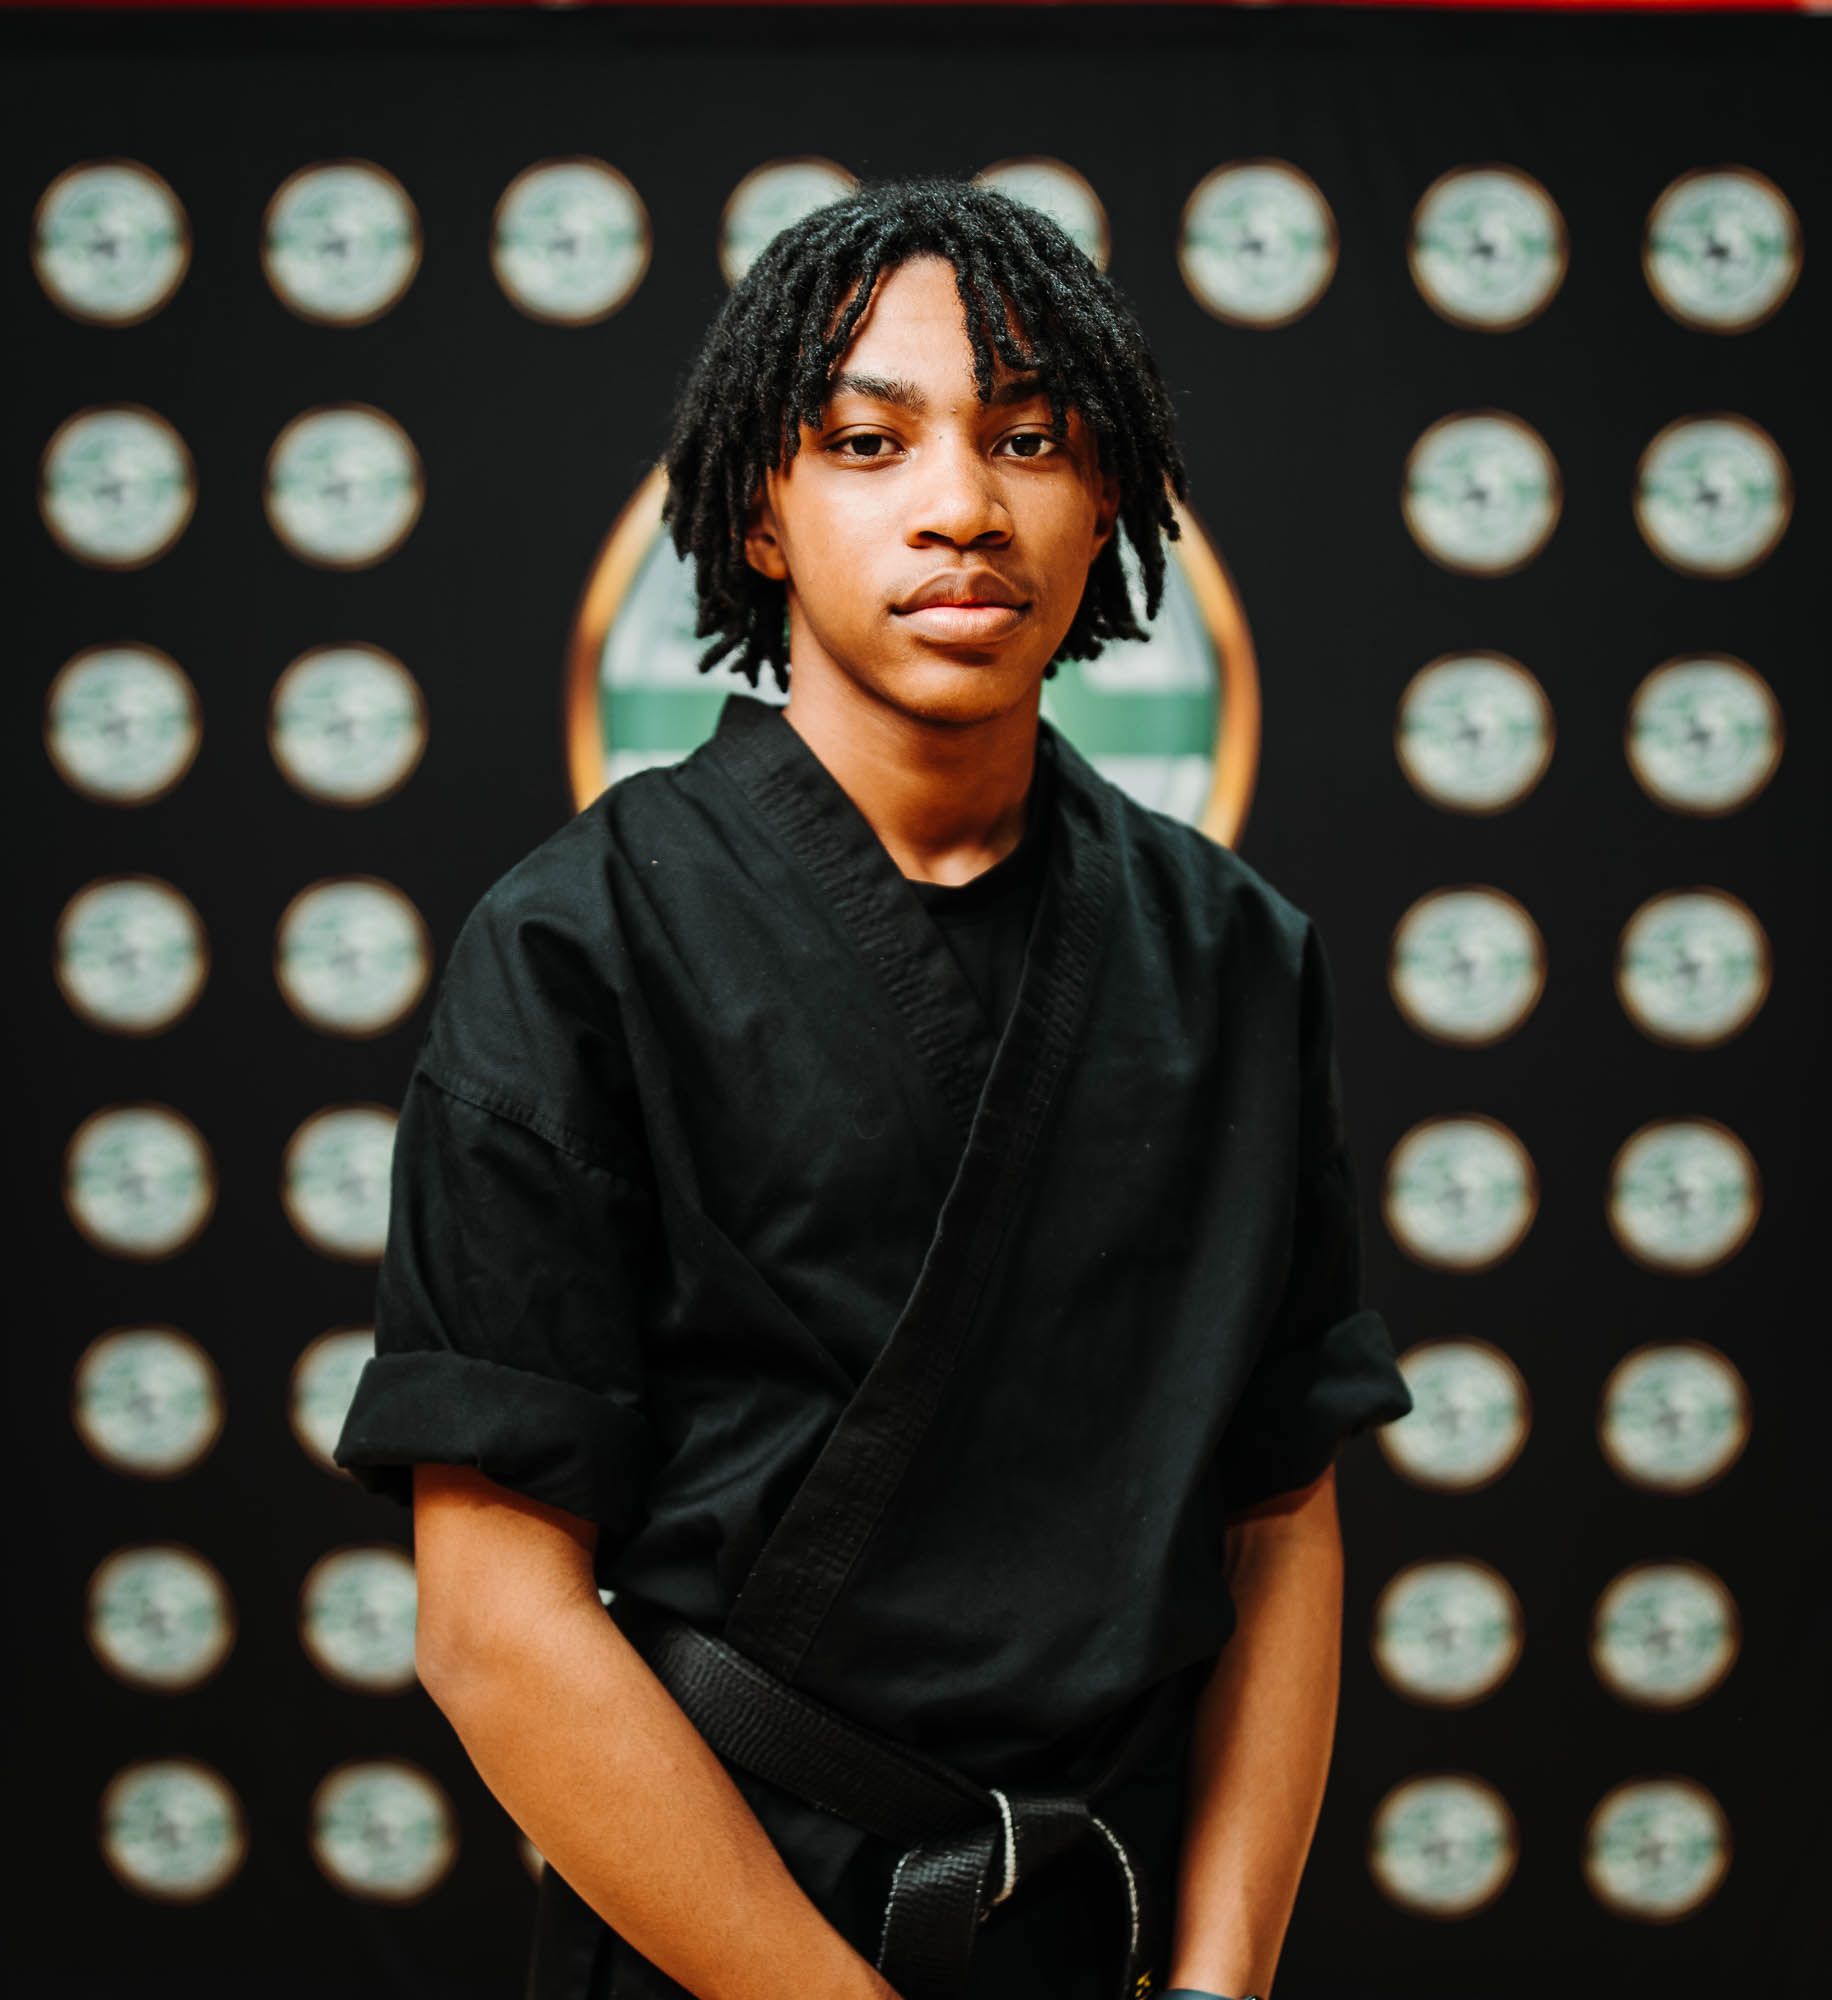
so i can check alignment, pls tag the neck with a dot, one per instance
(946, 797)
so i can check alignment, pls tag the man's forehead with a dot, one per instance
(1009, 387)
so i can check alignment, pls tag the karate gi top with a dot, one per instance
(920, 1361)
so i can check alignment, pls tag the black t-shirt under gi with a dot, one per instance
(908, 1309)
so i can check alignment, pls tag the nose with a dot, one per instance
(955, 498)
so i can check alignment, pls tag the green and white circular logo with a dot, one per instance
(116, 486)
(1704, 734)
(1488, 247)
(1664, 1634)
(1674, 1416)
(340, 242)
(352, 955)
(1444, 1844)
(324, 1382)
(1656, 1848)
(1713, 495)
(768, 200)
(383, 1831)
(1466, 965)
(1474, 732)
(1460, 1193)
(569, 241)
(110, 242)
(1059, 192)
(1684, 1194)
(122, 723)
(172, 1829)
(1447, 1633)
(344, 486)
(356, 1618)
(1481, 493)
(1163, 718)
(130, 954)
(159, 1616)
(1693, 967)
(1257, 243)
(347, 724)
(147, 1401)
(1722, 248)
(334, 1180)
(139, 1180)
(1469, 1417)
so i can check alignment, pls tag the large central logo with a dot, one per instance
(1173, 720)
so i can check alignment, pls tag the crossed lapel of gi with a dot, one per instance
(804, 1564)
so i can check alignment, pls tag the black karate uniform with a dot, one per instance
(919, 1357)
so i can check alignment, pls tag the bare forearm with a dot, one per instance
(595, 1761)
(1260, 1755)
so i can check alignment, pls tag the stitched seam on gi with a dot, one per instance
(481, 1098)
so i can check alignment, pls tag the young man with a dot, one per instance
(872, 1198)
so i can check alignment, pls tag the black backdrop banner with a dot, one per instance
(1498, 343)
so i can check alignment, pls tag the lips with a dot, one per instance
(962, 587)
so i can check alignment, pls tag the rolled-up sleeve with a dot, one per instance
(510, 1297)
(1327, 1370)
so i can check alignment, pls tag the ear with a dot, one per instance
(762, 546)
(1106, 510)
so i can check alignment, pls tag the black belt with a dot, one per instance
(951, 1828)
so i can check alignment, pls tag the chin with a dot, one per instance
(960, 686)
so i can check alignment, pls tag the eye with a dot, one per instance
(872, 445)
(1023, 441)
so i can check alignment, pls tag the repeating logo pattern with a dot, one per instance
(1258, 243)
(1722, 249)
(1664, 1634)
(356, 1618)
(570, 241)
(347, 724)
(1674, 1416)
(383, 1831)
(352, 956)
(1656, 1848)
(139, 1180)
(1447, 1633)
(1460, 1193)
(1466, 965)
(1703, 735)
(1684, 1194)
(1443, 1845)
(122, 723)
(160, 1616)
(1713, 495)
(1474, 732)
(334, 1179)
(116, 486)
(1470, 1418)
(340, 242)
(1488, 247)
(130, 954)
(324, 1380)
(1693, 967)
(173, 1830)
(110, 242)
(1482, 493)
(147, 1401)
(1059, 192)
(768, 200)
(344, 486)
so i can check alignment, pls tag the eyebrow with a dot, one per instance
(905, 395)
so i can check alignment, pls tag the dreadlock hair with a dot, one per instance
(766, 361)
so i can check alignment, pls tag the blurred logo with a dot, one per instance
(346, 724)
(1257, 243)
(122, 723)
(116, 486)
(569, 241)
(334, 1180)
(147, 1401)
(1722, 248)
(1684, 1194)
(340, 242)
(139, 1180)
(344, 486)
(356, 1618)
(1460, 1193)
(172, 1829)
(1444, 1844)
(1656, 1848)
(1674, 1416)
(1474, 732)
(1713, 495)
(1692, 967)
(1466, 965)
(324, 1381)
(1488, 247)
(1447, 1633)
(352, 955)
(768, 200)
(1469, 1417)
(1664, 1635)
(383, 1831)
(159, 1616)
(1704, 734)
(1481, 493)
(110, 242)
(130, 954)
